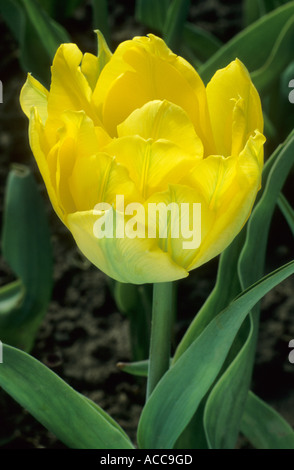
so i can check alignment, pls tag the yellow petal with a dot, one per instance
(39, 148)
(98, 178)
(143, 70)
(234, 107)
(230, 186)
(163, 120)
(135, 261)
(33, 94)
(71, 158)
(90, 68)
(151, 165)
(186, 219)
(70, 89)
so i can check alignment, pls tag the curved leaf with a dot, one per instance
(76, 421)
(178, 394)
(259, 37)
(264, 427)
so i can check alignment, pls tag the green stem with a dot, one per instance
(161, 326)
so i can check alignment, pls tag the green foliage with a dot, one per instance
(253, 45)
(26, 248)
(264, 427)
(204, 399)
(100, 17)
(180, 391)
(38, 35)
(74, 419)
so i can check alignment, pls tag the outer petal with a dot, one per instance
(143, 70)
(151, 165)
(163, 120)
(186, 225)
(99, 178)
(70, 89)
(33, 94)
(136, 261)
(40, 148)
(230, 186)
(91, 65)
(234, 107)
(77, 142)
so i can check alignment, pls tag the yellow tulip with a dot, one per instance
(141, 124)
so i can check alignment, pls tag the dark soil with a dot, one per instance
(83, 335)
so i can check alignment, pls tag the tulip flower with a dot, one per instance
(141, 125)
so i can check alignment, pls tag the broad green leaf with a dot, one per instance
(280, 56)
(50, 33)
(175, 22)
(225, 404)
(202, 43)
(287, 211)
(259, 37)
(152, 13)
(254, 9)
(226, 288)
(27, 249)
(264, 427)
(180, 391)
(70, 416)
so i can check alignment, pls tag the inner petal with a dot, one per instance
(163, 120)
(151, 165)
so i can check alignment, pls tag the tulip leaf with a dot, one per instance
(152, 13)
(265, 33)
(259, 222)
(59, 10)
(279, 58)
(76, 421)
(100, 17)
(38, 35)
(27, 249)
(139, 368)
(202, 43)
(180, 391)
(229, 395)
(264, 427)
(174, 23)
(225, 404)
(252, 9)
(287, 211)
